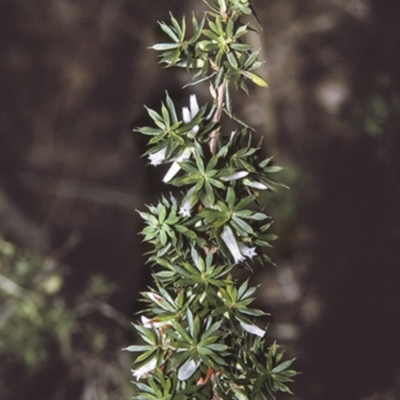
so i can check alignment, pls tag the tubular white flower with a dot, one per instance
(234, 176)
(153, 323)
(229, 238)
(249, 252)
(187, 369)
(253, 329)
(155, 297)
(194, 106)
(145, 369)
(173, 170)
(189, 113)
(175, 167)
(255, 185)
(158, 157)
(186, 115)
(184, 210)
(186, 206)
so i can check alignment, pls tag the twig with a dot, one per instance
(220, 98)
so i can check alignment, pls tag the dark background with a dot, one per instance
(74, 77)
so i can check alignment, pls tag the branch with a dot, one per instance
(219, 100)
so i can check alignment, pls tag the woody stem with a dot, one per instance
(220, 97)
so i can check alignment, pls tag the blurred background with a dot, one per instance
(74, 77)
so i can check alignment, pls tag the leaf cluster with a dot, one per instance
(201, 341)
(35, 319)
(214, 48)
(224, 190)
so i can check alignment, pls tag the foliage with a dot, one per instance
(34, 312)
(38, 325)
(376, 108)
(200, 336)
(28, 287)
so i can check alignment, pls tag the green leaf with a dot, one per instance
(147, 130)
(178, 29)
(252, 58)
(144, 387)
(258, 217)
(232, 60)
(216, 183)
(211, 330)
(178, 327)
(162, 213)
(171, 108)
(164, 46)
(199, 80)
(155, 116)
(240, 47)
(210, 34)
(255, 78)
(170, 32)
(281, 367)
(212, 164)
(209, 191)
(241, 226)
(217, 347)
(163, 237)
(145, 357)
(138, 348)
(244, 202)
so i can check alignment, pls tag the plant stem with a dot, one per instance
(220, 97)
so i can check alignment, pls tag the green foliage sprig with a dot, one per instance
(34, 314)
(198, 327)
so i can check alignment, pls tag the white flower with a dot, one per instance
(253, 329)
(175, 167)
(154, 323)
(229, 238)
(239, 251)
(187, 369)
(189, 113)
(249, 252)
(186, 206)
(158, 157)
(255, 185)
(234, 176)
(185, 209)
(145, 369)
(155, 297)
